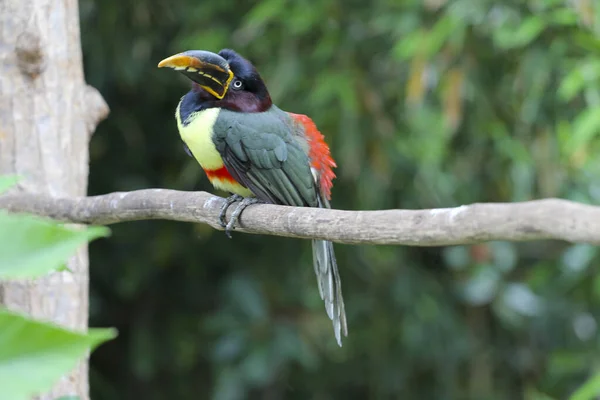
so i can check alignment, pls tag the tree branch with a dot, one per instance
(533, 220)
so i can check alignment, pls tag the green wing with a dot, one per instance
(262, 152)
(265, 153)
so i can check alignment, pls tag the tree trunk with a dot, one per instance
(47, 115)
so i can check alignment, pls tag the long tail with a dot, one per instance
(330, 285)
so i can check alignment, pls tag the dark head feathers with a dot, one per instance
(246, 72)
(251, 96)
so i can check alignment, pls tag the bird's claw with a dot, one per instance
(228, 201)
(236, 213)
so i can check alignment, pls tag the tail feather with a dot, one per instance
(329, 282)
(330, 286)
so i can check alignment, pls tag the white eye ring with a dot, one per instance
(237, 84)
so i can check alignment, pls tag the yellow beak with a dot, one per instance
(209, 70)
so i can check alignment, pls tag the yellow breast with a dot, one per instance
(197, 135)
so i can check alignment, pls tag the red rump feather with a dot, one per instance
(319, 154)
(220, 173)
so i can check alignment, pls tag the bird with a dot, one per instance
(257, 152)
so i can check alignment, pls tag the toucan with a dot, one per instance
(249, 147)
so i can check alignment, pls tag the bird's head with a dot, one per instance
(226, 80)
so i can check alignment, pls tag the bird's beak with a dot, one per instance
(209, 70)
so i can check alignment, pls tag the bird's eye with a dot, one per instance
(237, 84)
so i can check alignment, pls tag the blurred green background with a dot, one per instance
(425, 104)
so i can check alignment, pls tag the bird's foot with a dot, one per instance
(236, 213)
(228, 201)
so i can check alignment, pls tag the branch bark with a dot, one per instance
(532, 220)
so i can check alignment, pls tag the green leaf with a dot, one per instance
(589, 390)
(566, 362)
(34, 355)
(439, 34)
(409, 45)
(431, 41)
(578, 79)
(585, 127)
(571, 85)
(32, 246)
(7, 181)
(564, 17)
(264, 12)
(510, 37)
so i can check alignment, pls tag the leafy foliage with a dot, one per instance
(32, 246)
(431, 103)
(33, 354)
(589, 391)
